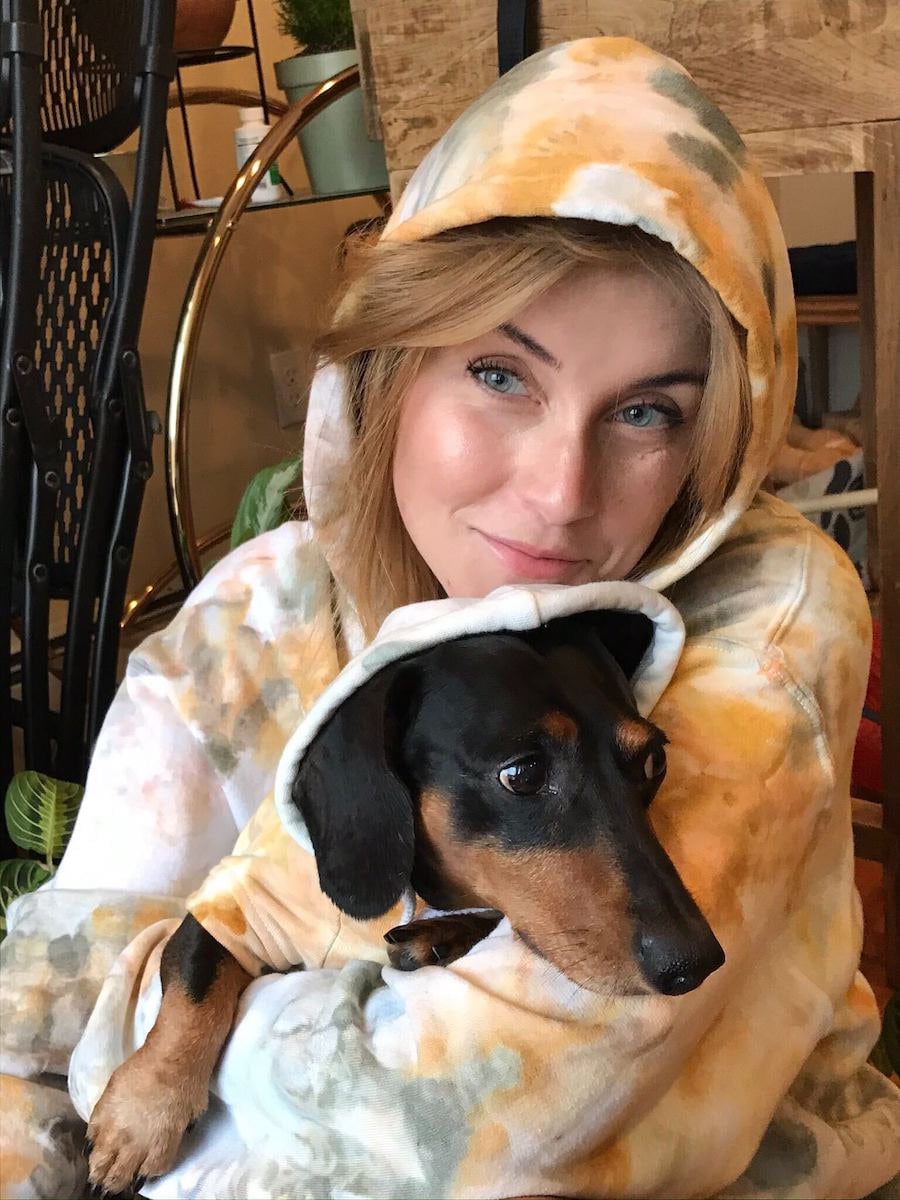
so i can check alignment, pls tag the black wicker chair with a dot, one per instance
(22, 416)
(92, 51)
(107, 68)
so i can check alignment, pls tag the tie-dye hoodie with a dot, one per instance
(496, 1076)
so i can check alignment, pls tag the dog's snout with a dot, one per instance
(672, 943)
(675, 965)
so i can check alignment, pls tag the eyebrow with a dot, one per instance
(666, 379)
(670, 379)
(515, 334)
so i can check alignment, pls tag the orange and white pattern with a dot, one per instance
(496, 1076)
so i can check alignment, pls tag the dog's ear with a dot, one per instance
(624, 635)
(357, 810)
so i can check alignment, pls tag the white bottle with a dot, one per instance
(247, 137)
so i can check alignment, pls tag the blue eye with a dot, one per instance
(498, 378)
(648, 416)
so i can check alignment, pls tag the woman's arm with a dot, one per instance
(190, 744)
(155, 817)
(188, 749)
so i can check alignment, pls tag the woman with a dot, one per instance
(570, 358)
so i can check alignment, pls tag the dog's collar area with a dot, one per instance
(409, 906)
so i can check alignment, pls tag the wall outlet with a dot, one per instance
(291, 373)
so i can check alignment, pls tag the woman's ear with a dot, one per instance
(624, 635)
(357, 810)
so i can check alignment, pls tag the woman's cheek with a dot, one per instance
(652, 475)
(638, 488)
(455, 459)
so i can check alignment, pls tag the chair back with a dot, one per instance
(107, 72)
(20, 240)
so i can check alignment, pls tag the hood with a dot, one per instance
(416, 627)
(606, 129)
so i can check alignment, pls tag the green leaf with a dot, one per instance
(18, 876)
(317, 25)
(265, 504)
(40, 812)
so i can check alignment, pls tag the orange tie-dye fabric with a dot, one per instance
(496, 1076)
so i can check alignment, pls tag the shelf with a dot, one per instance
(194, 221)
(217, 54)
(827, 310)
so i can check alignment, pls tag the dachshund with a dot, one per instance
(509, 773)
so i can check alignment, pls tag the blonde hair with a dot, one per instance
(398, 300)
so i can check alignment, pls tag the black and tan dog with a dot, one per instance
(509, 772)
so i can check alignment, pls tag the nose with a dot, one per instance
(673, 945)
(558, 480)
(677, 961)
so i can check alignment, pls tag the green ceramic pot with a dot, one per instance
(337, 151)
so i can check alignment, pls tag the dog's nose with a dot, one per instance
(674, 965)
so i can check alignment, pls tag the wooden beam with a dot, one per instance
(812, 150)
(878, 269)
(828, 310)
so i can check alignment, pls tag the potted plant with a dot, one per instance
(338, 153)
(40, 814)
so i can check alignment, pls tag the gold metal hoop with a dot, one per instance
(187, 338)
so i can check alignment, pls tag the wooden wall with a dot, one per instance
(771, 65)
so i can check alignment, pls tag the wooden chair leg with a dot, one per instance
(878, 259)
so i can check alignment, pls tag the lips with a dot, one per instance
(533, 562)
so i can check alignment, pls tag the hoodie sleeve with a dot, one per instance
(187, 750)
(190, 744)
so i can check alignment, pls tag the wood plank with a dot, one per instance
(778, 64)
(812, 150)
(884, 262)
(359, 13)
(649, 21)
(770, 64)
(398, 181)
(868, 838)
(827, 310)
(878, 267)
(430, 60)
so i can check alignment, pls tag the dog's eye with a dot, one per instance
(655, 763)
(524, 776)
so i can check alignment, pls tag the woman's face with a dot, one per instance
(551, 449)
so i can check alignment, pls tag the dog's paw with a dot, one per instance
(437, 941)
(138, 1123)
